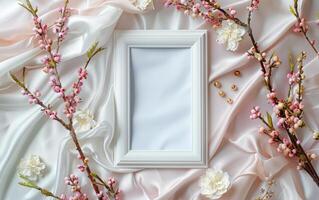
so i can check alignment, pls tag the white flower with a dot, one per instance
(214, 183)
(83, 121)
(230, 34)
(184, 2)
(32, 168)
(142, 4)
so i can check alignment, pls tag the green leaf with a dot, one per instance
(29, 185)
(292, 11)
(24, 6)
(46, 193)
(291, 62)
(94, 175)
(17, 80)
(91, 51)
(28, 6)
(269, 120)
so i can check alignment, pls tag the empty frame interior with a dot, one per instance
(160, 98)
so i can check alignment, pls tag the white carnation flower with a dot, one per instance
(83, 120)
(214, 183)
(142, 4)
(32, 167)
(230, 34)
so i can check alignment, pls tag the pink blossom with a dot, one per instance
(272, 98)
(301, 26)
(254, 5)
(232, 12)
(255, 113)
(81, 168)
(293, 78)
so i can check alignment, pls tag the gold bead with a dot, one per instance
(217, 84)
(237, 73)
(234, 87)
(221, 93)
(230, 101)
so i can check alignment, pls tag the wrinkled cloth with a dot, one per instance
(234, 143)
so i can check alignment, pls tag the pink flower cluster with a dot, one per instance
(73, 181)
(290, 120)
(254, 5)
(287, 148)
(47, 61)
(56, 86)
(41, 31)
(204, 9)
(284, 145)
(51, 114)
(255, 113)
(293, 78)
(301, 26)
(59, 28)
(72, 101)
(272, 99)
(34, 99)
(111, 183)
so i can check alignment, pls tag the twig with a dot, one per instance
(39, 102)
(303, 30)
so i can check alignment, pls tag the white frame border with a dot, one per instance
(196, 41)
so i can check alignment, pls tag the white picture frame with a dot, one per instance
(124, 156)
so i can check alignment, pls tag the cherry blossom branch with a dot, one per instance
(69, 126)
(34, 98)
(60, 28)
(84, 160)
(289, 113)
(30, 184)
(71, 101)
(257, 52)
(109, 186)
(302, 27)
(45, 42)
(295, 142)
(209, 6)
(217, 6)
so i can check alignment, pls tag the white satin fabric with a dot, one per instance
(234, 145)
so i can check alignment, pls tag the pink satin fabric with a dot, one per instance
(234, 143)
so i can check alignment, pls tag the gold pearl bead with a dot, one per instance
(222, 93)
(230, 101)
(234, 87)
(217, 84)
(237, 73)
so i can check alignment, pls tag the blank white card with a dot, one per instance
(160, 98)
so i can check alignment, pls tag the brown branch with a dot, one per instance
(83, 159)
(39, 102)
(303, 30)
(311, 171)
(255, 45)
(63, 24)
(225, 13)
